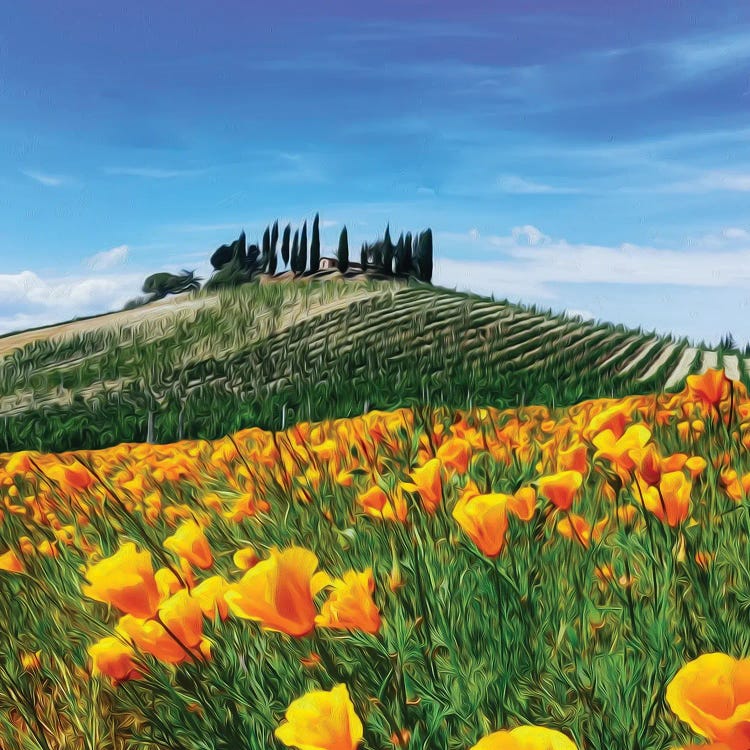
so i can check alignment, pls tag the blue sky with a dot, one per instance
(587, 156)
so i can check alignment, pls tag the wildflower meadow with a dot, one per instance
(535, 578)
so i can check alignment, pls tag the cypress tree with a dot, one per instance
(405, 264)
(425, 256)
(240, 248)
(302, 256)
(285, 244)
(388, 252)
(295, 252)
(343, 252)
(266, 254)
(273, 258)
(416, 252)
(253, 259)
(363, 257)
(315, 245)
(387, 238)
(375, 254)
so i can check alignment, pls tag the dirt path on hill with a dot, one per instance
(165, 308)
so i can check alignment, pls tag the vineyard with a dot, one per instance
(531, 578)
(270, 355)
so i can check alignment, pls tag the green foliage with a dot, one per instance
(226, 253)
(342, 254)
(302, 254)
(273, 257)
(232, 274)
(285, 244)
(136, 302)
(159, 285)
(265, 257)
(423, 257)
(294, 260)
(315, 245)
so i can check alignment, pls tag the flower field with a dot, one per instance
(527, 579)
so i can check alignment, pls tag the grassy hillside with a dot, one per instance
(272, 354)
(478, 571)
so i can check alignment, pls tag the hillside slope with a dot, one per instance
(203, 365)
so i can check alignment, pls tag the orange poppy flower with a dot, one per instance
(210, 596)
(712, 695)
(113, 658)
(167, 583)
(574, 458)
(613, 418)
(454, 454)
(377, 503)
(349, 605)
(561, 488)
(622, 451)
(10, 563)
(650, 464)
(71, 476)
(731, 484)
(151, 638)
(125, 580)
(525, 738)
(695, 465)
(278, 592)
(322, 720)
(523, 503)
(626, 514)
(245, 558)
(182, 614)
(427, 481)
(577, 528)
(670, 502)
(484, 518)
(190, 543)
(709, 388)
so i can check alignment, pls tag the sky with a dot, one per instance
(588, 157)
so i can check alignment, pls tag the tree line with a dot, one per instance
(239, 262)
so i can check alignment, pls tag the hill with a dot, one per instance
(205, 364)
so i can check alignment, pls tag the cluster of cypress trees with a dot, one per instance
(410, 256)
(238, 262)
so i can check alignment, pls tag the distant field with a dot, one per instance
(203, 365)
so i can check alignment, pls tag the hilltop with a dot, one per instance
(203, 364)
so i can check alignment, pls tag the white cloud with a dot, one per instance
(108, 258)
(527, 262)
(585, 314)
(521, 186)
(29, 300)
(699, 288)
(702, 55)
(717, 180)
(46, 179)
(89, 293)
(528, 235)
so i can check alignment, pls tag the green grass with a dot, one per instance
(266, 353)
